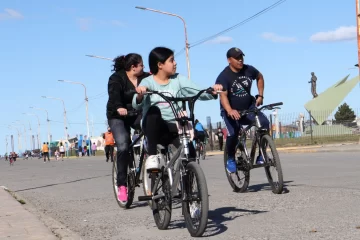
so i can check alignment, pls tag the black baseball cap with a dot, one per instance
(234, 53)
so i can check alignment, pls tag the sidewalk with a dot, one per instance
(17, 223)
(346, 147)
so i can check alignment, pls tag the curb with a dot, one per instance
(58, 229)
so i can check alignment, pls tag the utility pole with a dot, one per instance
(358, 36)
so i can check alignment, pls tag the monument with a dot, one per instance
(322, 105)
(313, 84)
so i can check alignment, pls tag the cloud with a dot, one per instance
(277, 38)
(10, 14)
(84, 23)
(343, 33)
(221, 40)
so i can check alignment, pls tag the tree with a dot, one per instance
(344, 114)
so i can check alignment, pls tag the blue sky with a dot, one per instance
(43, 41)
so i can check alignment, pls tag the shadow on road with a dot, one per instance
(216, 220)
(55, 184)
(266, 186)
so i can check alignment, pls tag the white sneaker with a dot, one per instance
(152, 162)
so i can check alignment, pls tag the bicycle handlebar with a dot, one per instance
(255, 110)
(191, 101)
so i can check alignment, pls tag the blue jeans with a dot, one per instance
(233, 128)
(121, 133)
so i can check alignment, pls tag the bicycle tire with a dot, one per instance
(145, 179)
(203, 151)
(246, 173)
(130, 183)
(155, 179)
(276, 188)
(204, 197)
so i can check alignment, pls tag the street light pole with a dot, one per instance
(19, 144)
(39, 125)
(187, 46)
(48, 124)
(358, 35)
(93, 56)
(59, 99)
(86, 104)
(18, 122)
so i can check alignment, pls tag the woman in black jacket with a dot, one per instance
(128, 73)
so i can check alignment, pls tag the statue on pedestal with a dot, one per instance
(313, 84)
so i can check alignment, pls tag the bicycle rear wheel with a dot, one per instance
(239, 181)
(203, 151)
(130, 186)
(196, 205)
(162, 207)
(275, 179)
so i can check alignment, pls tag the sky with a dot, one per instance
(43, 41)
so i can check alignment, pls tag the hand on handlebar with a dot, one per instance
(141, 90)
(234, 114)
(122, 111)
(259, 101)
(217, 88)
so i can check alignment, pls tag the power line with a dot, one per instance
(234, 26)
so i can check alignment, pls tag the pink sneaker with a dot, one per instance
(122, 194)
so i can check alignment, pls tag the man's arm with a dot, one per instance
(260, 84)
(225, 101)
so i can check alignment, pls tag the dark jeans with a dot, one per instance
(233, 128)
(157, 130)
(46, 154)
(109, 151)
(121, 132)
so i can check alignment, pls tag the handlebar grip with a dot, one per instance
(276, 104)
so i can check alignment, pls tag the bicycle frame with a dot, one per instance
(259, 131)
(178, 163)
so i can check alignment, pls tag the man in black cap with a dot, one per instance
(237, 79)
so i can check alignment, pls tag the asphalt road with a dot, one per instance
(321, 200)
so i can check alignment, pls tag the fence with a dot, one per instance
(292, 129)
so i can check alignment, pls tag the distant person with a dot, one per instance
(45, 150)
(220, 136)
(93, 149)
(62, 151)
(109, 145)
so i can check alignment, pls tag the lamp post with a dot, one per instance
(93, 56)
(19, 123)
(39, 136)
(86, 104)
(187, 46)
(48, 124)
(19, 144)
(60, 99)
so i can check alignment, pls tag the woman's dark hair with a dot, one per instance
(158, 55)
(125, 62)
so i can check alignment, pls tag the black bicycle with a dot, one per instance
(176, 179)
(246, 161)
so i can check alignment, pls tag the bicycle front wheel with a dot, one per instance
(273, 172)
(196, 205)
(239, 181)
